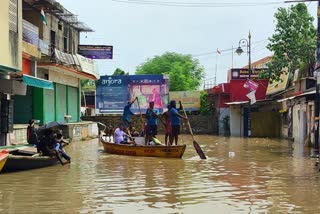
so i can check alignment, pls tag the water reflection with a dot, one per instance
(263, 176)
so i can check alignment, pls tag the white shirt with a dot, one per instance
(118, 135)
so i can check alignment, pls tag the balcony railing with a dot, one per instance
(51, 54)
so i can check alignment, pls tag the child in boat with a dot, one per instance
(59, 148)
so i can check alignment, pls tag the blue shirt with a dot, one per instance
(174, 118)
(127, 113)
(151, 118)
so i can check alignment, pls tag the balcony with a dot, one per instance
(50, 57)
(71, 64)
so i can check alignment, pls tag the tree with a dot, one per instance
(88, 85)
(293, 43)
(185, 73)
(119, 72)
(204, 103)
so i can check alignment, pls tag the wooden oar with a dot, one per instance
(195, 144)
(141, 119)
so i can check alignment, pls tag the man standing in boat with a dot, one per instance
(167, 125)
(127, 113)
(175, 121)
(151, 116)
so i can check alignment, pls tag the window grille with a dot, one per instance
(13, 15)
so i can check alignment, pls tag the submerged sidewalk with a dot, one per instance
(74, 131)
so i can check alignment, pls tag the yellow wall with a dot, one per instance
(10, 54)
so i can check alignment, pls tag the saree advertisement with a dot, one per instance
(114, 92)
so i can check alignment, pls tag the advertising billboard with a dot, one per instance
(113, 93)
(96, 51)
(189, 99)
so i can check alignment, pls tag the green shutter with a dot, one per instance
(23, 107)
(61, 102)
(49, 106)
(73, 103)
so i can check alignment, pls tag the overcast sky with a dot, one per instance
(140, 31)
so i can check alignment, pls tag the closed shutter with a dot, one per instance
(61, 102)
(73, 103)
(23, 107)
(49, 107)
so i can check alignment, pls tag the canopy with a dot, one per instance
(37, 82)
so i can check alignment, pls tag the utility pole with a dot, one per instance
(215, 73)
(316, 100)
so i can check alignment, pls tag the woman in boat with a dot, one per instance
(152, 127)
(32, 136)
(175, 121)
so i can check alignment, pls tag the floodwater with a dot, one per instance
(239, 176)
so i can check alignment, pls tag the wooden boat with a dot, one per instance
(142, 150)
(24, 159)
(3, 158)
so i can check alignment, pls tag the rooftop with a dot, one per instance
(55, 8)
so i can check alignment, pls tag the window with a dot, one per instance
(13, 15)
(65, 44)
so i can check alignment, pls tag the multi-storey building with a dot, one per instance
(40, 66)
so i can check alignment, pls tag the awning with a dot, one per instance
(37, 82)
(237, 103)
(7, 69)
(299, 95)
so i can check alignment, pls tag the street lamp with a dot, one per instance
(239, 51)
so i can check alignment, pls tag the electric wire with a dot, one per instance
(196, 4)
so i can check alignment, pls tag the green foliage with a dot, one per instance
(88, 85)
(204, 104)
(119, 72)
(185, 73)
(293, 42)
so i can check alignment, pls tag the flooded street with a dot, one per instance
(239, 176)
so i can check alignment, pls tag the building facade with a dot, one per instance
(10, 61)
(51, 69)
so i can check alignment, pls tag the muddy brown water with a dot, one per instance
(239, 176)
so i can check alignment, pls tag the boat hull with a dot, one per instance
(20, 162)
(3, 159)
(144, 151)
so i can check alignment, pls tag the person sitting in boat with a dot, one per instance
(121, 137)
(59, 144)
(47, 143)
(133, 131)
(32, 136)
(152, 127)
(127, 113)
